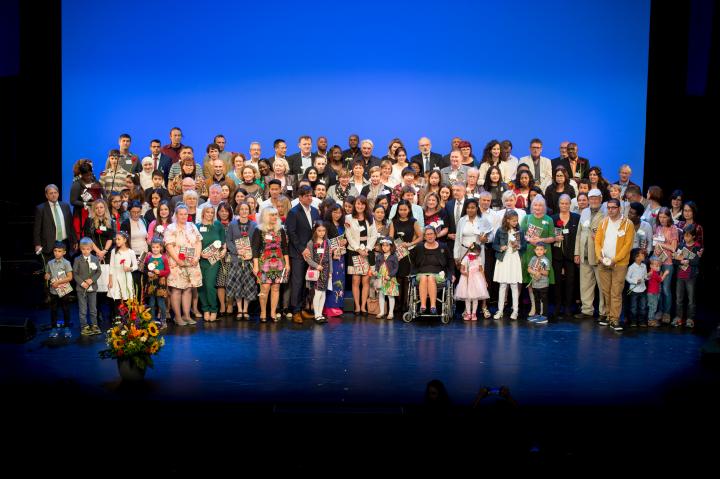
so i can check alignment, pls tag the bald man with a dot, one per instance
(560, 160)
(428, 160)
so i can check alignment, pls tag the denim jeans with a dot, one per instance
(638, 307)
(154, 301)
(682, 286)
(666, 289)
(87, 305)
(653, 300)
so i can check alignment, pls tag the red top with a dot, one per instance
(654, 281)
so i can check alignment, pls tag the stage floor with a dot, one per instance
(377, 362)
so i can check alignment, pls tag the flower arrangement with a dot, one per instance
(135, 336)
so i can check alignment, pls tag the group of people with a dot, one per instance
(291, 232)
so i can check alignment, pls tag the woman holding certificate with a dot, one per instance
(213, 251)
(241, 281)
(271, 263)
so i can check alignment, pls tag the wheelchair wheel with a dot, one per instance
(407, 317)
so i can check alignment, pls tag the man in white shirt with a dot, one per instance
(214, 199)
(255, 152)
(512, 162)
(540, 167)
(315, 200)
(428, 160)
(302, 160)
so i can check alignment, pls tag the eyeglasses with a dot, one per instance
(612, 207)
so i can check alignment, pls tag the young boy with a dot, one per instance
(635, 277)
(86, 271)
(158, 181)
(688, 262)
(539, 268)
(59, 272)
(655, 279)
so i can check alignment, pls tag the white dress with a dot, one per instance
(509, 270)
(122, 286)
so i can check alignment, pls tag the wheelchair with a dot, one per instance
(445, 301)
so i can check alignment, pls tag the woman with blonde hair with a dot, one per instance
(271, 264)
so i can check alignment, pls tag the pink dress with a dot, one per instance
(473, 286)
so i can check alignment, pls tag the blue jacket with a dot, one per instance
(501, 239)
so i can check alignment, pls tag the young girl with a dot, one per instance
(688, 261)
(508, 244)
(635, 277)
(655, 279)
(157, 269)
(386, 268)
(472, 286)
(122, 263)
(318, 257)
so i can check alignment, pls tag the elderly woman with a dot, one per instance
(432, 263)
(271, 264)
(563, 255)
(281, 172)
(187, 169)
(342, 189)
(191, 199)
(241, 281)
(473, 188)
(537, 228)
(212, 253)
(375, 188)
(509, 200)
(113, 177)
(183, 245)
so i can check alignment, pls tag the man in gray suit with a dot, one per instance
(590, 220)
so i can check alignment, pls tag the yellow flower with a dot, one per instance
(154, 347)
(118, 343)
(114, 332)
(146, 315)
(153, 329)
(143, 333)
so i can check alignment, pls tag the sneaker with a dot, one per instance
(603, 321)
(433, 310)
(615, 325)
(67, 333)
(163, 325)
(513, 316)
(86, 330)
(690, 323)
(643, 324)
(498, 314)
(677, 322)
(96, 329)
(540, 320)
(666, 318)
(633, 324)
(54, 332)
(422, 310)
(533, 318)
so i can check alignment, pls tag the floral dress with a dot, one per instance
(183, 277)
(335, 300)
(270, 248)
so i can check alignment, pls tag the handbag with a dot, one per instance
(102, 282)
(313, 274)
(373, 306)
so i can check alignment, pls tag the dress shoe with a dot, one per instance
(582, 316)
(297, 318)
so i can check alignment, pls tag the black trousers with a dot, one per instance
(298, 291)
(565, 273)
(61, 303)
(541, 298)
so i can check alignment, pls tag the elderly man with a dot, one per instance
(366, 149)
(175, 146)
(625, 173)
(214, 198)
(255, 155)
(456, 171)
(428, 160)
(302, 160)
(188, 184)
(539, 166)
(563, 155)
(53, 222)
(590, 220)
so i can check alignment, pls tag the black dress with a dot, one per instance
(404, 230)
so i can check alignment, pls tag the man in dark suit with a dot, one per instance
(303, 159)
(454, 145)
(454, 212)
(298, 224)
(576, 166)
(563, 155)
(280, 149)
(428, 160)
(161, 161)
(353, 151)
(624, 181)
(369, 160)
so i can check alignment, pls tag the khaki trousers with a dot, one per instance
(589, 279)
(612, 281)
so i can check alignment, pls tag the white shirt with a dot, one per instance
(306, 161)
(138, 237)
(315, 202)
(58, 227)
(636, 272)
(417, 213)
(609, 248)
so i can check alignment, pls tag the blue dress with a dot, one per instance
(335, 299)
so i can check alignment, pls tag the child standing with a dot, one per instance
(688, 261)
(539, 270)
(655, 278)
(59, 272)
(86, 271)
(508, 244)
(318, 258)
(122, 263)
(472, 286)
(635, 277)
(157, 269)
(386, 268)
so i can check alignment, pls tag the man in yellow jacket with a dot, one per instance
(613, 242)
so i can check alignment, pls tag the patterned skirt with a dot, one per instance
(241, 282)
(222, 274)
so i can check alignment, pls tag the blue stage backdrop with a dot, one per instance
(557, 70)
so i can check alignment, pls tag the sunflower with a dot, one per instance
(118, 343)
(146, 315)
(153, 330)
(154, 347)
(114, 333)
(143, 333)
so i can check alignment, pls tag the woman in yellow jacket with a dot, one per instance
(613, 242)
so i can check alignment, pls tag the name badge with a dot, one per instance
(386, 192)
(321, 250)
(362, 228)
(659, 238)
(436, 168)
(128, 162)
(93, 266)
(566, 231)
(203, 229)
(103, 228)
(268, 237)
(621, 233)
(288, 187)
(453, 176)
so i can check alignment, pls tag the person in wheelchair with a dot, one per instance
(432, 263)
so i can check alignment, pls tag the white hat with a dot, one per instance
(594, 192)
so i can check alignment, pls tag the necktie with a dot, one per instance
(458, 210)
(427, 163)
(58, 222)
(156, 163)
